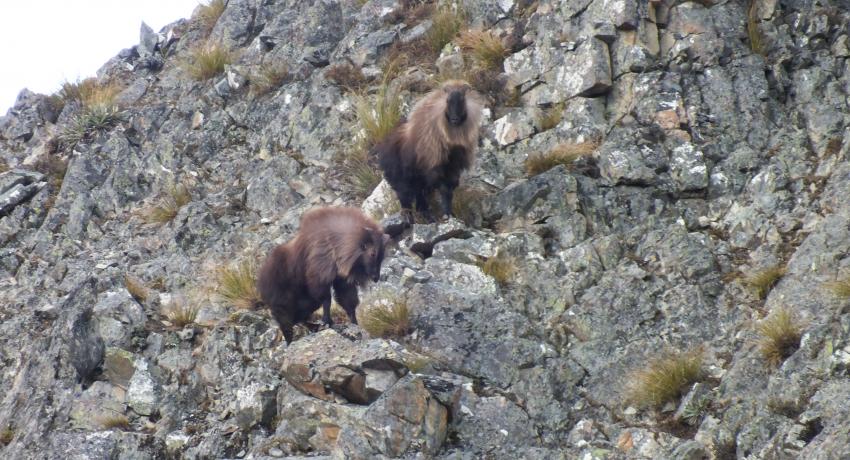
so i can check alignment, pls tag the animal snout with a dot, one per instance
(454, 120)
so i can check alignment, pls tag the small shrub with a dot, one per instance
(696, 409)
(114, 421)
(136, 287)
(166, 207)
(839, 288)
(551, 117)
(268, 79)
(486, 49)
(181, 313)
(445, 25)
(378, 118)
(761, 282)
(500, 267)
(237, 284)
(779, 336)
(346, 76)
(209, 13)
(6, 436)
(207, 61)
(386, 317)
(664, 379)
(563, 154)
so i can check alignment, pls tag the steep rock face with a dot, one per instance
(718, 149)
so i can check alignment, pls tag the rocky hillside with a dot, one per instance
(649, 260)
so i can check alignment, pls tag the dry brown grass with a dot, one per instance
(207, 61)
(466, 204)
(779, 336)
(166, 207)
(762, 281)
(551, 117)
(136, 287)
(500, 267)
(664, 379)
(346, 76)
(181, 312)
(562, 154)
(268, 78)
(840, 287)
(445, 25)
(114, 421)
(387, 316)
(89, 92)
(237, 284)
(209, 13)
(486, 50)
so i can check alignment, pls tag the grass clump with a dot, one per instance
(562, 154)
(6, 436)
(500, 267)
(168, 205)
(386, 317)
(551, 117)
(209, 13)
(89, 92)
(466, 204)
(113, 422)
(761, 282)
(839, 288)
(486, 49)
(207, 61)
(779, 336)
(445, 25)
(268, 78)
(346, 76)
(358, 175)
(380, 116)
(136, 288)
(237, 284)
(100, 111)
(664, 379)
(181, 313)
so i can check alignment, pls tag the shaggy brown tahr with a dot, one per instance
(337, 248)
(431, 149)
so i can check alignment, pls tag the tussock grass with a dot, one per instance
(500, 267)
(237, 284)
(89, 92)
(181, 313)
(380, 116)
(467, 203)
(779, 336)
(551, 117)
(209, 13)
(207, 61)
(136, 287)
(388, 316)
(114, 421)
(753, 32)
(88, 122)
(762, 281)
(664, 378)
(486, 50)
(445, 25)
(562, 154)
(346, 76)
(6, 436)
(358, 176)
(166, 207)
(839, 288)
(268, 78)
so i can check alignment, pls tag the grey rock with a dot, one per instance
(143, 392)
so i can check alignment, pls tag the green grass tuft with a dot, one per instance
(664, 379)
(839, 288)
(207, 61)
(761, 282)
(237, 284)
(445, 25)
(753, 32)
(562, 154)
(380, 116)
(780, 335)
(358, 176)
(269, 78)
(6, 436)
(209, 13)
(551, 117)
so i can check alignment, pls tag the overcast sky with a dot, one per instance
(44, 42)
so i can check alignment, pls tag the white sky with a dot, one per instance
(44, 42)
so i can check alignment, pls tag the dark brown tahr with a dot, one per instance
(339, 248)
(432, 147)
